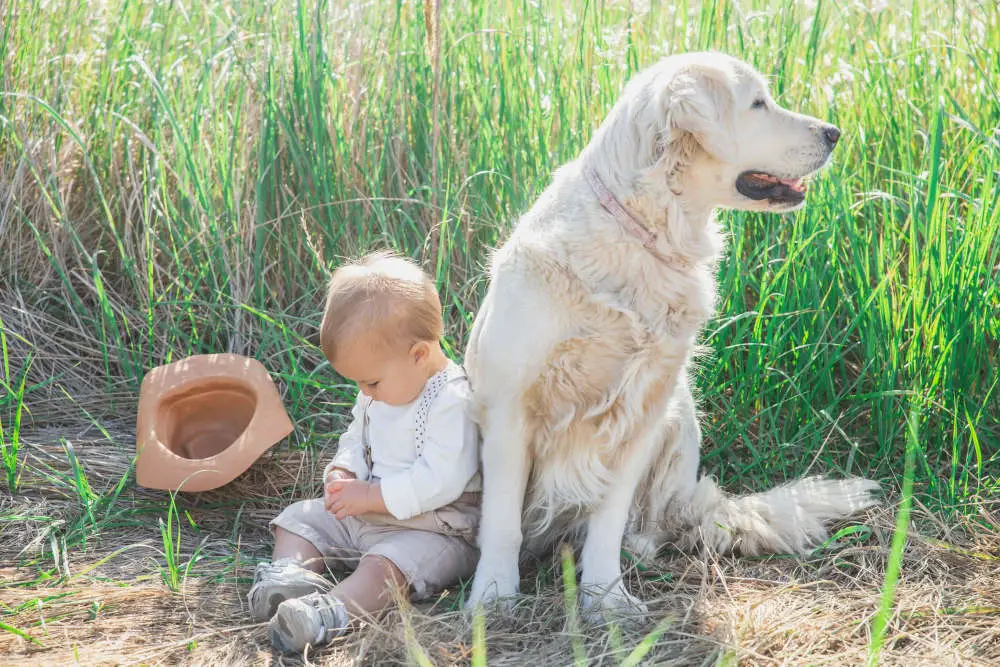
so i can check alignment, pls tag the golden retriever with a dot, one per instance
(579, 356)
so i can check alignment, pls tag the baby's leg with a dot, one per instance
(396, 559)
(370, 588)
(303, 534)
(290, 545)
(317, 618)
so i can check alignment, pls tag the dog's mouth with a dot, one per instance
(759, 185)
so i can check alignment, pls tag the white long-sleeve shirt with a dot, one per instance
(426, 453)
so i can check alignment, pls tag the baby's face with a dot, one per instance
(395, 376)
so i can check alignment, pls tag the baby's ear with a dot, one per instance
(419, 351)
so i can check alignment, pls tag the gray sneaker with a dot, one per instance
(273, 583)
(311, 620)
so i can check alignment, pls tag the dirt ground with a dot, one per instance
(84, 577)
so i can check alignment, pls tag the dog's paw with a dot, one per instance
(600, 605)
(493, 587)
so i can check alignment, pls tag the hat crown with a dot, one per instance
(205, 418)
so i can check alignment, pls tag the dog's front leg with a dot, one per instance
(673, 474)
(506, 467)
(602, 588)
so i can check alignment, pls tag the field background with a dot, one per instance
(179, 178)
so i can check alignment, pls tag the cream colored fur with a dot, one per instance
(579, 356)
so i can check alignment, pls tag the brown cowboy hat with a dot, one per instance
(204, 420)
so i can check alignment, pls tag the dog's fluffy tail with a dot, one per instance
(790, 518)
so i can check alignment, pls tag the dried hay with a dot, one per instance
(90, 588)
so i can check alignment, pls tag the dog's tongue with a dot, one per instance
(796, 185)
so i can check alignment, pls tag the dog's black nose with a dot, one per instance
(831, 134)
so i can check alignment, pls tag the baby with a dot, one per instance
(401, 500)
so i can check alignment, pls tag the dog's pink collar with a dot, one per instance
(627, 220)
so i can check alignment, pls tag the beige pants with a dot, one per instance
(433, 550)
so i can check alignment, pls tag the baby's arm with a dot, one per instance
(350, 456)
(448, 460)
(349, 461)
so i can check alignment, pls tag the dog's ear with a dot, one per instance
(699, 101)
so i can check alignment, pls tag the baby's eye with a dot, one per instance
(372, 385)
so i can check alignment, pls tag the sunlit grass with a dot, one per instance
(176, 180)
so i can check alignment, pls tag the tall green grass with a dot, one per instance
(13, 384)
(181, 179)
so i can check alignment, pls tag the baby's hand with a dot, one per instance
(334, 475)
(348, 497)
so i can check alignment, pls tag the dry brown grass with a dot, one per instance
(103, 601)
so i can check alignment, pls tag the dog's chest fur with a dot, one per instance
(606, 383)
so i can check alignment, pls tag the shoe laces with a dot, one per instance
(266, 569)
(332, 612)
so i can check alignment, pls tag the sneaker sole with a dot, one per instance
(279, 634)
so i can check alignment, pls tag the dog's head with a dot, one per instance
(706, 126)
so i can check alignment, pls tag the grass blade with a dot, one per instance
(880, 622)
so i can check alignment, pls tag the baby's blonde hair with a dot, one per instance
(383, 296)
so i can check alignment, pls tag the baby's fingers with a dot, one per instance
(329, 500)
(337, 484)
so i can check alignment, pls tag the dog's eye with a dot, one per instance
(759, 103)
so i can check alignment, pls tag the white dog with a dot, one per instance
(579, 356)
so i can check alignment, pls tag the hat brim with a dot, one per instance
(197, 405)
